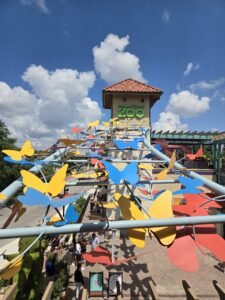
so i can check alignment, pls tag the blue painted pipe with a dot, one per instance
(111, 225)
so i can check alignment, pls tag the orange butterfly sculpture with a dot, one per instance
(199, 153)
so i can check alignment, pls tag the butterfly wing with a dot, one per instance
(162, 208)
(93, 124)
(32, 181)
(13, 154)
(34, 197)
(76, 129)
(190, 184)
(65, 201)
(9, 160)
(2, 197)
(57, 182)
(130, 173)
(162, 174)
(106, 124)
(27, 149)
(12, 268)
(131, 212)
(114, 173)
(143, 166)
(182, 254)
(199, 153)
(172, 160)
(191, 156)
(71, 214)
(120, 144)
(133, 144)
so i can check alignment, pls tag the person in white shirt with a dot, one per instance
(78, 252)
(94, 241)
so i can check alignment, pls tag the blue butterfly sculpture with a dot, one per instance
(128, 144)
(191, 186)
(24, 161)
(71, 216)
(129, 174)
(150, 155)
(34, 197)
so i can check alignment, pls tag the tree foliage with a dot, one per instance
(30, 276)
(8, 172)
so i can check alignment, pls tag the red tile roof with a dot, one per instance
(131, 85)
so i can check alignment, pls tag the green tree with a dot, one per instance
(8, 172)
(30, 277)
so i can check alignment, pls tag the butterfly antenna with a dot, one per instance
(59, 213)
(2, 254)
(136, 199)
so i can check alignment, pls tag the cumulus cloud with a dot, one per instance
(191, 67)
(182, 104)
(169, 121)
(165, 17)
(112, 63)
(208, 85)
(39, 3)
(187, 104)
(57, 99)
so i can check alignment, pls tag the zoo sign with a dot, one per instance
(132, 111)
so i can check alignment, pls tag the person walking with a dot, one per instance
(83, 245)
(79, 281)
(94, 241)
(78, 252)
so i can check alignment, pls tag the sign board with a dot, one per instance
(95, 284)
(115, 283)
(131, 111)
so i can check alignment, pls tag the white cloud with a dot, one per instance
(207, 85)
(222, 99)
(191, 67)
(187, 104)
(181, 104)
(58, 99)
(40, 4)
(112, 63)
(165, 17)
(169, 121)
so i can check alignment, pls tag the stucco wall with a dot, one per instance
(131, 100)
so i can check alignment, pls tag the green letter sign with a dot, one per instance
(132, 111)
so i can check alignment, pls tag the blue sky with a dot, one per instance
(48, 66)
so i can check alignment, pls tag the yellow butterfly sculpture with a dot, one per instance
(106, 124)
(69, 142)
(93, 124)
(76, 152)
(12, 268)
(88, 175)
(54, 187)
(2, 197)
(164, 172)
(110, 205)
(161, 208)
(114, 121)
(26, 150)
(146, 166)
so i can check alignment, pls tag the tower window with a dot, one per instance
(142, 100)
(124, 99)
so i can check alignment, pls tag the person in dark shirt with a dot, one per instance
(79, 280)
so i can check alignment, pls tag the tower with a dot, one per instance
(130, 101)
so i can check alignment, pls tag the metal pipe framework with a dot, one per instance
(108, 226)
